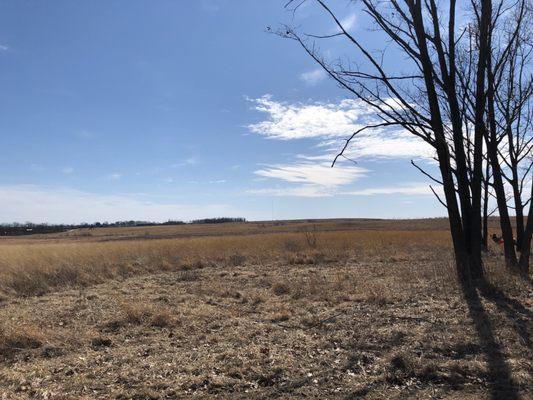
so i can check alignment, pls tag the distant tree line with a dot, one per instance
(217, 220)
(30, 228)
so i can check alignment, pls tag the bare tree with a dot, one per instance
(510, 137)
(424, 101)
(508, 118)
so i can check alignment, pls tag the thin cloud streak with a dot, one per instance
(416, 189)
(313, 173)
(421, 189)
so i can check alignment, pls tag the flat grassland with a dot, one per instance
(331, 309)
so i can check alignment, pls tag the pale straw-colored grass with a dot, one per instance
(32, 269)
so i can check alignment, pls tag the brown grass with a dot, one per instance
(34, 269)
(141, 314)
(355, 314)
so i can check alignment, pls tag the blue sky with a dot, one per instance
(187, 109)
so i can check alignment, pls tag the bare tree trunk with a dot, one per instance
(519, 208)
(525, 245)
(485, 234)
(492, 151)
(479, 133)
(505, 220)
(462, 258)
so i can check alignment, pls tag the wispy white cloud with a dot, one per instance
(4, 47)
(313, 173)
(313, 120)
(380, 145)
(308, 179)
(391, 144)
(67, 170)
(62, 205)
(313, 77)
(330, 122)
(416, 189)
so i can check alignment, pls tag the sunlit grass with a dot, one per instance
(30, 269)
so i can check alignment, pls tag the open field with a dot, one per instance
(248, 228)
(331, 309)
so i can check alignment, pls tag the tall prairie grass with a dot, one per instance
(34, 269)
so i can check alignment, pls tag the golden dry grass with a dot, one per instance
(355, 314)
(36, 268)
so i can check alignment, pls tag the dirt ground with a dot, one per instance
(341, 330)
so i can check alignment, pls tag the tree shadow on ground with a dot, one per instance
(518, 315)
(502, 385)
(499, 375)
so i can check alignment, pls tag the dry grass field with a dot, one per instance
(341, 309)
